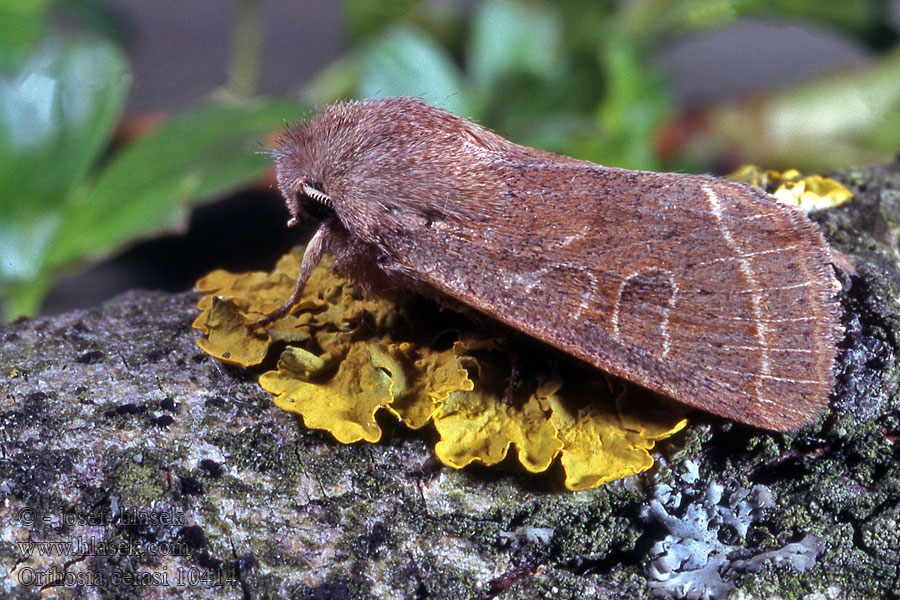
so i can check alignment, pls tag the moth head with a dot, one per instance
(301, 161)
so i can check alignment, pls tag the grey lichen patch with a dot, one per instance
(716, 540)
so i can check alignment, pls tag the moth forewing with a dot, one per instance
(675, 298)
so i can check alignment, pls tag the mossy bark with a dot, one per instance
(170, 475)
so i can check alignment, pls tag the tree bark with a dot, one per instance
(157, 472)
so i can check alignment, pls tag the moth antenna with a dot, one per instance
(317, 194)
(306, 187)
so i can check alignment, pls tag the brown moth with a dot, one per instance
(707, 291)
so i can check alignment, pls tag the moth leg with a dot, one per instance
(515, 378)
(311, 257)
(521, 362)
(509, 342)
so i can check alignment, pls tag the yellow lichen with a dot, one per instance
(346, 356)
(345, 404)
(809, 193)
(603, 441)
(427, 381)
(479, 425)
(227, 335)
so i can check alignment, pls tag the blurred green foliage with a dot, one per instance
(564, 76)
(64, 198)
(576, 77)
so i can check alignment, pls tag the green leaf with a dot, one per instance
(56, 115)
(56, 118)
(404, 62)
(22, 25)
(510, 38)
(146, 189)
(23, 245)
